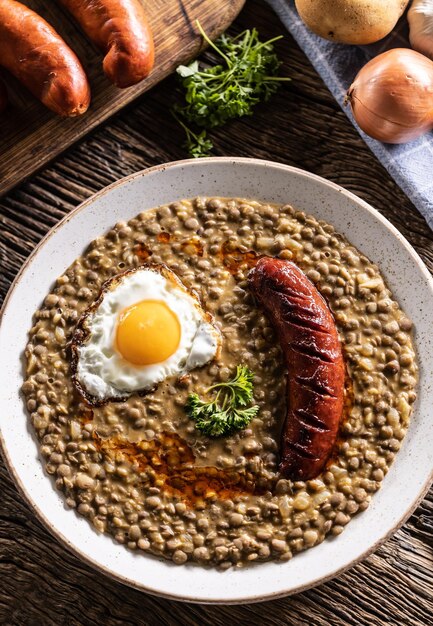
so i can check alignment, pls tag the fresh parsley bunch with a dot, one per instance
(216, 94)
(228, 411)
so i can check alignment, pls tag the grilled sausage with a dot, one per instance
(3, 97)
(32, 50)
(313, 355)
(121, 30)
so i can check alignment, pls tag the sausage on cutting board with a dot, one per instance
(314, 359)
(121, 30)
(39, 58)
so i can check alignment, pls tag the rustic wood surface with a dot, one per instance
(40, 582)
(31, 135)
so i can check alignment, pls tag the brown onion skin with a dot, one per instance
(392, 96)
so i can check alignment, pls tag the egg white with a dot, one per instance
(103, 373)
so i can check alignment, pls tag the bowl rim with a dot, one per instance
(57, 534)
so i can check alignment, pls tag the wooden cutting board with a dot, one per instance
(30, 135)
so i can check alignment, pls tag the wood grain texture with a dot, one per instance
(41, 583)
(31, 135)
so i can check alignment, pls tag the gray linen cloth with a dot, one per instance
(411, 165)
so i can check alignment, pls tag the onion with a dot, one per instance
(392, 96)
(420, 18)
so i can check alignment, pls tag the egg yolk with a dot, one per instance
(147, 332)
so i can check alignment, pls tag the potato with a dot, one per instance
(351, 21)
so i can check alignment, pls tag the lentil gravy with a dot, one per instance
(141, 471)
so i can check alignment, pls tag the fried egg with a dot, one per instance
(145, 327)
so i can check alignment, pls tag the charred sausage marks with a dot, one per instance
(313, 354)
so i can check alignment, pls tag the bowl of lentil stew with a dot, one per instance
(260, 187)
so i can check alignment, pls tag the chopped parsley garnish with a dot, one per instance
(228, 411)
(213, 95)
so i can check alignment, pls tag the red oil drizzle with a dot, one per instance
(193, 247)
(168, 461)
(142, 251)
(235, 259)
(86, 416)
(163, 237)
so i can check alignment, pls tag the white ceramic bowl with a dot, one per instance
(406, 275)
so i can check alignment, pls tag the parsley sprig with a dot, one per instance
(228, 411)
(216, 94)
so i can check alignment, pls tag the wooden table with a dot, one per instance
(40, 582)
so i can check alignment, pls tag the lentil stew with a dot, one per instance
(141, 471)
